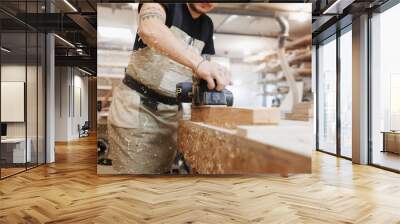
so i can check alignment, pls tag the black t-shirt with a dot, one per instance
(178, 15)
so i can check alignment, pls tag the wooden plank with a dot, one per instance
(301, 112)
(214, 150)
(271, 56)
(293, 136)
(392, 142)
(299, 43)
(305, 72)
(300, 71)
(278, 80)
(297, 117)
(231, 117)
(296, 60)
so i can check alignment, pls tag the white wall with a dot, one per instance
(245, 88)
(33, 127)
(14, 73)
(67, 116)
(79, 117)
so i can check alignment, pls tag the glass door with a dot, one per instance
(14, 155)
(346, 92)
(22, 78)
(327, 96)
(385, 89)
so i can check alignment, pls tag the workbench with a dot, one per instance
(13, 150)
(277, 147)
(391, 141)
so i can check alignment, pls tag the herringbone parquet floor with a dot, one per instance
(70, 191)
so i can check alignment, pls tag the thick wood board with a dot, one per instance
(215, 150)
(231, 117)
(301, 42)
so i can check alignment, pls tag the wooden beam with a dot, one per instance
(214, 150)
(231, 117)
(296, 60)
(301, 112)
(305, 72)
(278, 80)
(267, 57)
(299, 43)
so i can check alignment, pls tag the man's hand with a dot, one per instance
(211, 71)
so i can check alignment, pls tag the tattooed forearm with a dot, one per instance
(151, 16)
(151, 13)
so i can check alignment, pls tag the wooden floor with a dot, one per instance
(10, 171)
(387, 159)
(70, 191)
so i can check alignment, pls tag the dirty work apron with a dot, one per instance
(142, 135)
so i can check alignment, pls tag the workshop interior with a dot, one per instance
(258, 107)
(314, 102)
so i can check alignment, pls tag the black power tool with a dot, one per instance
(199, 94)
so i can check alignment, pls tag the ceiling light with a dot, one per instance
(84, 71)
(246, 52)
(231, 18)
(70, 5)
(338, 6)
(134, 5)
(65, 41)
(300, 16)
(5, 50)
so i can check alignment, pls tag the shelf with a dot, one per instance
(104, 87)
(102, 114)
(102, 98)
(301, 42)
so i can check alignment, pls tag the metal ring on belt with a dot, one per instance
(147, 92)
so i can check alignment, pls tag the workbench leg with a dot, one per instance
(284, 174)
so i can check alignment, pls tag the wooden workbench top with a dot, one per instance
(211, 149)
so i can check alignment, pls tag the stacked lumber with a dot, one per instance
(229, 117)
(226, 140)
(299, 56)
(297, 59)
(299, 43)
(301, 112)
(210, 149)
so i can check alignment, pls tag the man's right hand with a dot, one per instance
(211, 71)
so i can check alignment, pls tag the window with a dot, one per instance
(22, 66)
(346, 93)
(385, 89)
(327, 96)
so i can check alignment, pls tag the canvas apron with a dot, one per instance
(142, 136)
